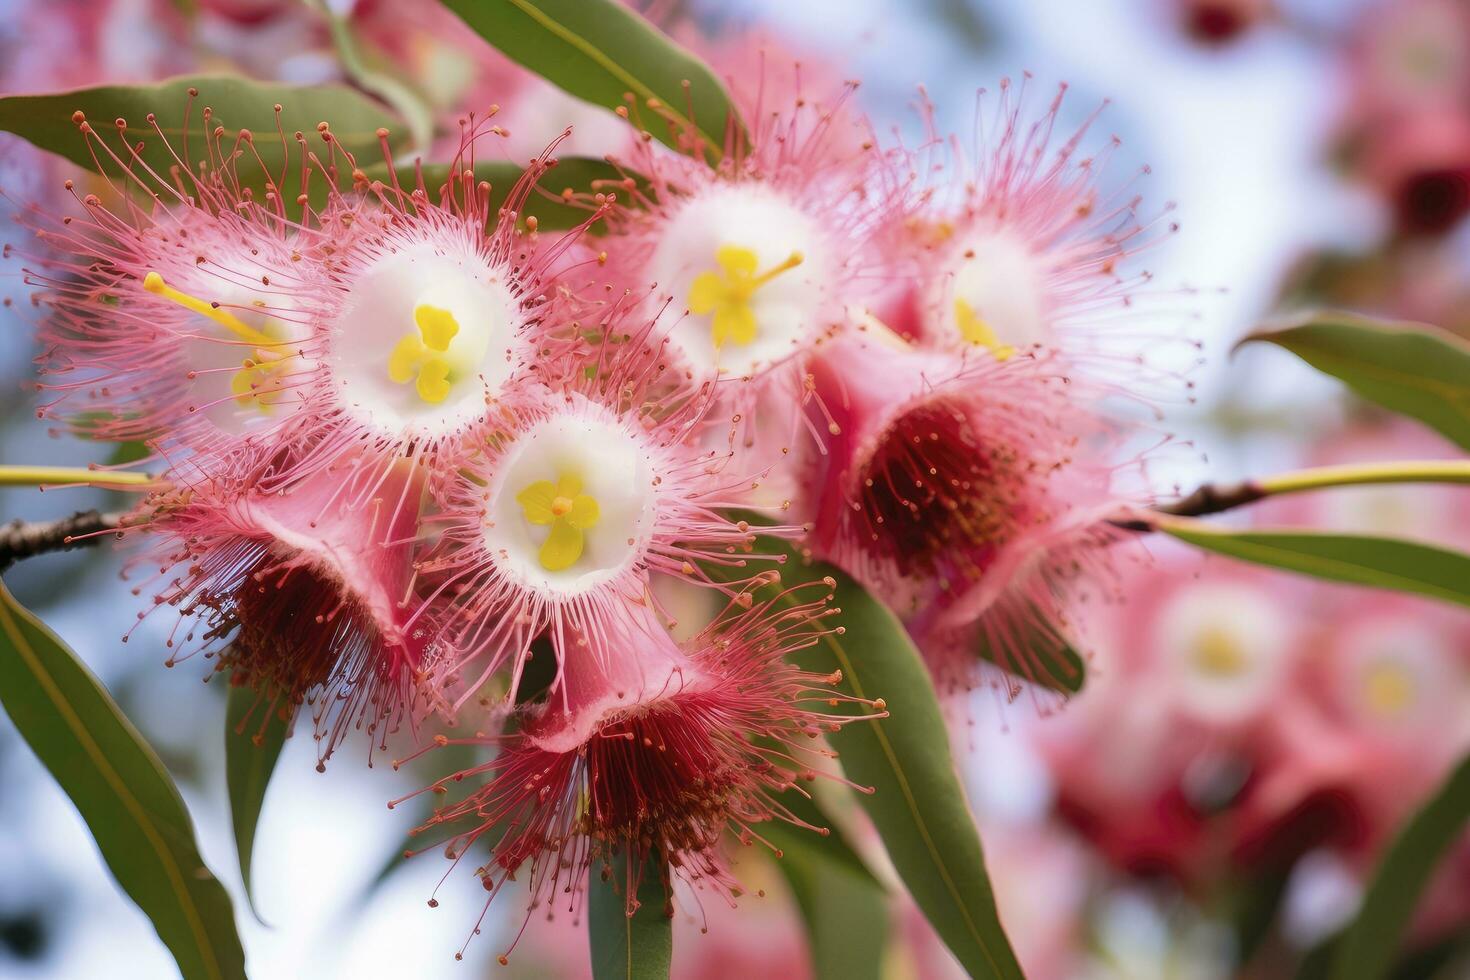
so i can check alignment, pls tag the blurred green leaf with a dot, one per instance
(1050, 662)
(121, 789)
(1411, 368)
(1383, 563)
(1370, 944)
(843, 905)
(918, 805)
(254, 736)
(236, 103)
(629, 947)
(601, 51)
(124, 453)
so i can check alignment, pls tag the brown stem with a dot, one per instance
(23, 539)
(1206, 499)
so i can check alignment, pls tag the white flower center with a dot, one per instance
(572, 502)
(424, 335)
(1402, 674)
(1228, 649)
(991, 292)
(753, 270)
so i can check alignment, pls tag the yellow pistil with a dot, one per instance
(258, 381)
(1388, 689)
(419, 355)
(568, 510)
(976, 331)
(154, 284)
(727, 294)
(1218, 654)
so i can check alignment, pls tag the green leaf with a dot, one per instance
(119, 786)
(254, 736)
(1366, 950)
(125, 453)
(1052, 662)
(1411, 368)
(843, 905)
(237, 103)
(629, 947)
(601, 51)
(582, 175)
(1383, 563)
(918, 805)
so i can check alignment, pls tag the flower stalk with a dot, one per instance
(50, 476)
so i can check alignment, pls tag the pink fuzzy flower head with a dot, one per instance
(1023, 246)
(754, 255)
(302, 594)
(189, 322)
(958, 486)
(430, 323)
(647, 747)
(561, 510)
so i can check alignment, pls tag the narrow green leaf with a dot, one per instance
(254, 736)
(1053, 662)
(1383, 563)
(601, 51)
(843, 905)
(629, 947)
(1411, 368)
(918, 804)
(119, 786)
(582, 175)
(236, 103)
(1368, 948)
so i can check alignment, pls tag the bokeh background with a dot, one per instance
(1211, 803)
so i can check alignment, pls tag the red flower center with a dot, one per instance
(937, 499)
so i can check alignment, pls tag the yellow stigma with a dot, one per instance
(260, 378)
(1218, 654)
(419, 356)
(1388, 689)
(568, 510)
(976, 331)
(154, 284)
(726, 294)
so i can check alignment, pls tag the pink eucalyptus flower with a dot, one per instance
(647, 747)
(1021, 246)
(960, 486)
(1177, 755)
(301, 594)
(755, 248)
(558, 512)
(431, 323)
(1385, 701)
(191, 322)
